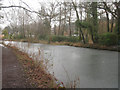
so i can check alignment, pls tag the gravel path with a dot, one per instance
(12, 74)
(0, 67)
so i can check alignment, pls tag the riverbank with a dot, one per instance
(92, 46)
(35, 73)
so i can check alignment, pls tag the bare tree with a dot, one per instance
(78, 18)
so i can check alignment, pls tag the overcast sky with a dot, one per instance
(33, 4)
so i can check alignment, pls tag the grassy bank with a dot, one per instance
(75, 44)
(35, 71)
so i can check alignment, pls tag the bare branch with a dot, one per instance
(12, 6)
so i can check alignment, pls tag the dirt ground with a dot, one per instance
(0, 67)
(12, 72)
(21, 71)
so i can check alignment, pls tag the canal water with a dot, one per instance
(89, 68)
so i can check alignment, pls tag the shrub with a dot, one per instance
(64, 38)
(6, 35)
(42, 37)
(108, 39)
(119, 39)
(18, 37)
(73, 39)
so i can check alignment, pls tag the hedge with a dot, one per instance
(108, 39)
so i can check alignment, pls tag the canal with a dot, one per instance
(90, 68)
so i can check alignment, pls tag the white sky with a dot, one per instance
(33, 4)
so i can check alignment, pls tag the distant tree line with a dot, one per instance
(86, 22)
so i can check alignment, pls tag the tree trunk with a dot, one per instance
(82, 35)
(70, 22)
(70, 26)
(112, 22)
(54, 29)
(79, 35)
(59, 22)
(107, 21)
(75, 7)
(95, 21)
(119, 20)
